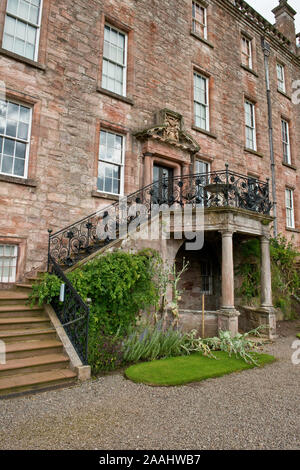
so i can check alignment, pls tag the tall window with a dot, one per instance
(247, 52)
(206, 277)
(22, 27)
(114, 60)
(15, 123)
(199, 20)
(280, 78)
(8, 263)
(289, 204)
(202, 167)
(111, 163)
(201, 101)
(250, 125)
(286, 141)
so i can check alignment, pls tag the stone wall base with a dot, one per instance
(252, 317)
(228, 320)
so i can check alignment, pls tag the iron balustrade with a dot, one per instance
(209, 190)
(73, 313)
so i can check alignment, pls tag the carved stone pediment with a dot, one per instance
(169, 129)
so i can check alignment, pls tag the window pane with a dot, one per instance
(9, 147)
(19, 167)
(7, 164)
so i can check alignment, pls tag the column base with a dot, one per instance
(228, 320)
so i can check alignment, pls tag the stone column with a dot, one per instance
(227, 271)
(148, 176)
(266, 285)
(266, 313)
(228, 316)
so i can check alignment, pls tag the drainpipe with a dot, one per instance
(266, 50)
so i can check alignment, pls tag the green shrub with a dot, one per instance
(47, 289)
(105, 352)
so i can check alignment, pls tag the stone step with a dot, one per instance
(12, 297)
(29, 334)
(36, 381)
(21, 349)
(12, 311)
(19, 323)
(24, 287)
(29, 365)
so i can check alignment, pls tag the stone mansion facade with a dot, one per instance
(84, 85)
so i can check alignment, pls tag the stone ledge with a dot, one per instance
(253, 152)
(113, 197)
(125, 99)
(23, 181)
(203, 131)
(284, 94)
(288, 165)
(22, 59)
(249, 70)
(205, 41)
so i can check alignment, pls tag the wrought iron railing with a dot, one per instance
(72, 312)
(209, 190)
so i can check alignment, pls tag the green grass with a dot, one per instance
(194, 368)
(298, 335)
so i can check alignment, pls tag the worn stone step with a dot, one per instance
(35, 381)
(12, 297)
(29, 334)
(30, 365)
(21, 349)
(18, 323)
(24, 287)
(10, 311)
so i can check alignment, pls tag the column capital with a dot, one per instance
(148, 154)
(265, 239)
(227, 232)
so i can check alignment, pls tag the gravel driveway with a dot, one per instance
(255, 409)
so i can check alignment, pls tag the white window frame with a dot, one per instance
(194, 20)
(204, 163)
(286, 144)
(125, 34)
(250, 56)
(207, 104)
(28, 142)
(289, 206)
(280, 80)
(37, 26)
(121, 165)
(12, 277)
(253, 128)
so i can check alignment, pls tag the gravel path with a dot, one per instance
(255, 409)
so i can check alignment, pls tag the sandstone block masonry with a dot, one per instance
(70, 107)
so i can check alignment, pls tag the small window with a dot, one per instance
(202, 167)
(286, 142)
(201, 102)
(8, 263)
(22, 27)
(250, 125)
(206, 277)
(247, 52)
(289, 204)
(280, 78)
(199, 20)
(111, 163)
(114, 60)
(15, 123)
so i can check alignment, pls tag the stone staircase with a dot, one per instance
(35, 358)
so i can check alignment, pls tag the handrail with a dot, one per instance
(214, 189)
(73, 313)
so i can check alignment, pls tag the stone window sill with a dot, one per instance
(112, 197)
(284, 94)
(125, 99)
(289, 229)
(205, 41)
(203, 131)
(22, 59)
(254, 152)
(249, 70)
(288, 165)
(23, 181)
